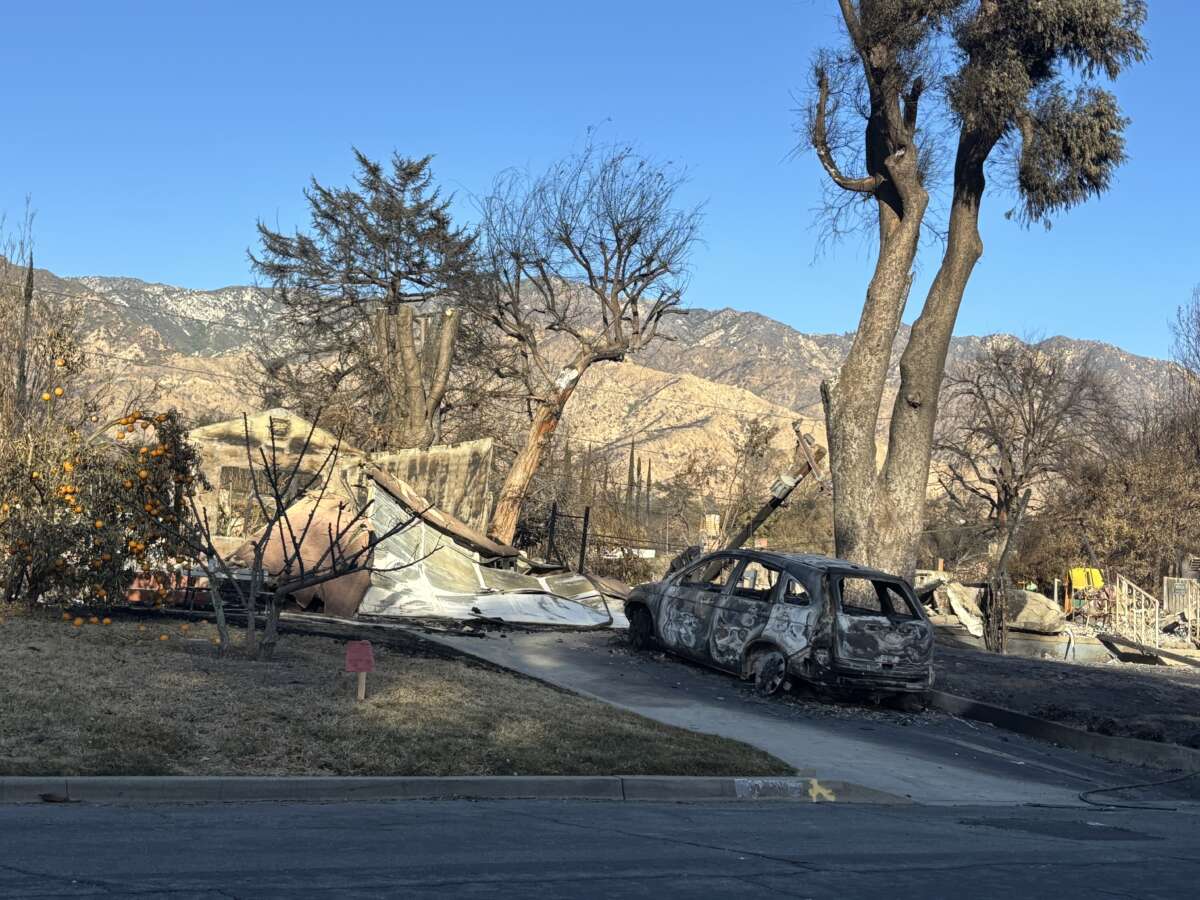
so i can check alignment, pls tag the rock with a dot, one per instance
(1031, 611)
(964, 603)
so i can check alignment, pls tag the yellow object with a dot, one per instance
(164, 637)
(1085, 579)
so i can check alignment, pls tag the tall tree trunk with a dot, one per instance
(415, 379)
(862, 525)
(904, 481)
(546, 417)
(879, 513)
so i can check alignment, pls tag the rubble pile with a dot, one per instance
(950, 602)
(1026, 610)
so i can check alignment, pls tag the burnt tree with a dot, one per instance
(1015, 417)
(582, 264)
(1009, 74)
(348, 290)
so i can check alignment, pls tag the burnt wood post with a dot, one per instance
(550, 530)
(587, 513)
(779, 493)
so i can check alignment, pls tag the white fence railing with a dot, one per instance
(1136, 614)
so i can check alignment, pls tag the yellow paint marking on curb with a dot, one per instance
(817, 793)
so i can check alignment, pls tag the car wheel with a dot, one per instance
(770, 672)
(641, 629)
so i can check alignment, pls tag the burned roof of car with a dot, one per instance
(814, 561)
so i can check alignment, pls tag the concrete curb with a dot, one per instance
(219, 789)
(1118, 749)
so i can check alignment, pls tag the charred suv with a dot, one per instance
(774, 616)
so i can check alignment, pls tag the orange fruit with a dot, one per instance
(99, 523)
(60, 362)
(106, 621)
(46, 396)
(95, 620)
(143, 474)
(58, 392)
(164, 637)
(77, 622)
(66, 617)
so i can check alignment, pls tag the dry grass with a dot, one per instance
(114, 699)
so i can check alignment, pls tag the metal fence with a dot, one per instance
(577, 541)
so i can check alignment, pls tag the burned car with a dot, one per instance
(776, 616)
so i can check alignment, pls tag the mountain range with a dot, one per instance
(686, 394)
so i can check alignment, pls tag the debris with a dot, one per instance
(964, 603)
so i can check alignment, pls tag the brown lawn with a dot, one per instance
(115, 699)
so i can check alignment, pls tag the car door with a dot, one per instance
(690, 602)
(743, 612)
(790, 622)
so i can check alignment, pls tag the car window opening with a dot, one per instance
(866, 597)
(795, 593)
(757, 581)
(709, 574)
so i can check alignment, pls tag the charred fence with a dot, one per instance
(590, 541)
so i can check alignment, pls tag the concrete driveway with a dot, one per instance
(928, 757)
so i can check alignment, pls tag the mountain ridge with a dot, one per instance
(738, 364)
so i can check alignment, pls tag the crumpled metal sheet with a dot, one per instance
(423, 573)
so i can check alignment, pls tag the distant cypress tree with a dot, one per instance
(586, 488)
(565, 482)
(23, 344)
(649, 485)
(629, 498)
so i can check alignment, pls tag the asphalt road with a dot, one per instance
(577, 849)
(928, 757)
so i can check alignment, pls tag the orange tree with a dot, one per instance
(86, 505)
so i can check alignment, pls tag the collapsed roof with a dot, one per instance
(434, 566)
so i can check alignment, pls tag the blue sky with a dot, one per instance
(152, 135)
